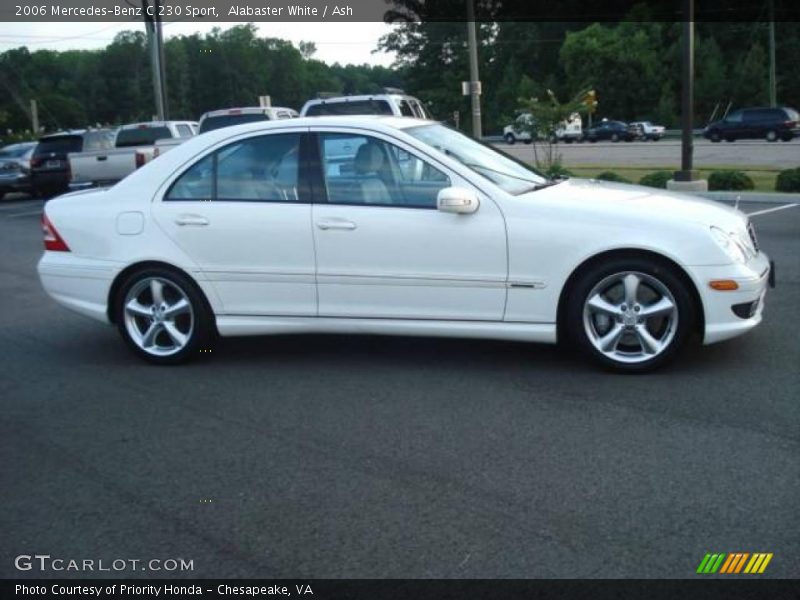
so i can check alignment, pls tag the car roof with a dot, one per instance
(358, 98)
(247, 110)
(152, 124)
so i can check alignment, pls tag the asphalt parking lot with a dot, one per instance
(334, 456)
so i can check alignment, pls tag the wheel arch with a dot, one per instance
(116, 285)
(590, 262)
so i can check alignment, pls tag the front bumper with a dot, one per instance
(15, 182)
(725, 316)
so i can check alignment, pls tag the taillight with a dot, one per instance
(52, 241)
(791, 124)
(36, 162)
(139, 159)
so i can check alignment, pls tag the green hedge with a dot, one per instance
(788, 181)
(729, 181)
(611, 176)
(657, 179)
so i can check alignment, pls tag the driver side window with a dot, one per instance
(361, 169)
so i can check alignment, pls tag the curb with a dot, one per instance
(757, 197)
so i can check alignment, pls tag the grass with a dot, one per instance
(764, 179)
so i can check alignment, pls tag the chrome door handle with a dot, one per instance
(196, 220)
(336, 224)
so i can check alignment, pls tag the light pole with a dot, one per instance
(474, 83)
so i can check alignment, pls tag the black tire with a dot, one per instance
(510, 139)
(201, 332)
(614, 137)
(730, 139)
(528, 141)
(577, 325)
(771, 136)
(715, 137)
(786, 138)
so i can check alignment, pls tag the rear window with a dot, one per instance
(15, 151)
(59, 145)
(141, 137)
(212, 123)
(358, 107)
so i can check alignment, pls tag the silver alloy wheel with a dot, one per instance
(630, 317)
(158, 316)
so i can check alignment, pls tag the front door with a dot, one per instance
(385, 251)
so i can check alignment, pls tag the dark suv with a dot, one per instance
(49, 164)
(772, 124)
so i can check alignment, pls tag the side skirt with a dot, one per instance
(228, 325)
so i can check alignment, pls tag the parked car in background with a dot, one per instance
(647, 131)
(133, 146)
(50, 170)
(613, 131)
(569, 130)
(772, 124)
(227, 117)
(15, 168)
(394, 102)
(396, 226)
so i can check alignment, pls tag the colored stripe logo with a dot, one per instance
(734, 563)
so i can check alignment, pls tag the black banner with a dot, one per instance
(734, 588)
(212, 11)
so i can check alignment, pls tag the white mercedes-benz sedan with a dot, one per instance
(383, 225)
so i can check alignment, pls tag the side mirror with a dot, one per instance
(457, 200)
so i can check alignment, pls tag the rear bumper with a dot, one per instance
(79, 284)
(732, 313)
(49, 179)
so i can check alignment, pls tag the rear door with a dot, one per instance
(243, 214)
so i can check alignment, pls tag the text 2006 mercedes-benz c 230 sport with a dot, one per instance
(388, 225)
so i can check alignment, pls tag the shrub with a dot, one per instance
(557, 170)
(788, 181)
(656, 179)
(729, 181)
(611, 176)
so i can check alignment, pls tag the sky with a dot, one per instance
(336, 42)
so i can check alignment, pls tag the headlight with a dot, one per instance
(730, 244)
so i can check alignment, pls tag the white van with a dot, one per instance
(393, 103)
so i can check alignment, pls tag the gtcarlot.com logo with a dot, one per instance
(45, 562)
(733, 563)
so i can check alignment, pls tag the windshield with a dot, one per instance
(218, 122)
(511, 175)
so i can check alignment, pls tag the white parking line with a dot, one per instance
(25, 214)
(771, 210)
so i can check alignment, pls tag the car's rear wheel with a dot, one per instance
(772, 136)
(715, 137)
(510, 139)
(163, 316)
(614, 137)
(630, 314)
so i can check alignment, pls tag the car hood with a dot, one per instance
(637, 202)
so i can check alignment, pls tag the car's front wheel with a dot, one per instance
(510, 139)
(630, 314)
(163, 317)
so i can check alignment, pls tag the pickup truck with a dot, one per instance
(648, 131)
(134, 146)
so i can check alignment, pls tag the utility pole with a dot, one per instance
(35, 118)
(474, 83)
(773, 93)
(687, 179)
(155, 40)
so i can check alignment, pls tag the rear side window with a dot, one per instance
(145, 136)
(184, 131)
(260, 169)
(359, 107)
(59, 145)
(218, 122)
(405, 109)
